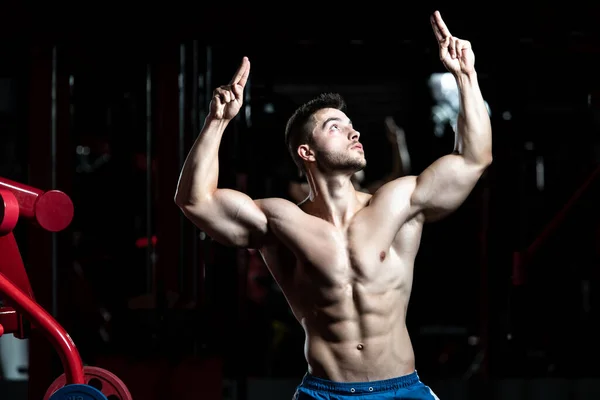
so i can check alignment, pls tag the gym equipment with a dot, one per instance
(100, 379)
(522, 258)
(52, 211)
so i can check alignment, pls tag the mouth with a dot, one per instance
(357, 146)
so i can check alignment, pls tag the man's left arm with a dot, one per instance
(442, 187)
(446, 183)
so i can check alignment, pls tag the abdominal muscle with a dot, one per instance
(357, 337)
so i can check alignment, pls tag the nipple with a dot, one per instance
(360, 346)
(382, 256)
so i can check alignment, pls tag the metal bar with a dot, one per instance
(149, 248)
(53, 130)
(484, 298)
(181, 158)
(207, 272)
(195, 123)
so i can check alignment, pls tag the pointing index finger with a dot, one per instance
(241, 75)
(439, 27)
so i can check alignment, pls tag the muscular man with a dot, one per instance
(343, 258)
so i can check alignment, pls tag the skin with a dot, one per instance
(343, 258)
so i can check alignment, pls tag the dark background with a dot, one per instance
(183, 312)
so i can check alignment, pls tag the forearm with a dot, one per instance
(200, 173)
(474, 132)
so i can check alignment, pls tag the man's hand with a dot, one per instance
(456, 54)
(227, 100)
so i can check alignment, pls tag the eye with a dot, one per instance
(335, 126)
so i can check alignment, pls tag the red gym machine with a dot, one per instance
(51, 211)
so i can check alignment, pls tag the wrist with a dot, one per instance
(466, 78)
(215, 123)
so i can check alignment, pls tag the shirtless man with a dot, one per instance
(343, 258)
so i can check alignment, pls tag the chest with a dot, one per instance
(316, 252)
(354, 256)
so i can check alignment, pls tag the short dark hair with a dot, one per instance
(298, 128)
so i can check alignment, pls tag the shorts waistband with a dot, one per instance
(314, 383)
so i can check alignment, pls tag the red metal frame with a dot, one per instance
(52, 211)
(521, 259)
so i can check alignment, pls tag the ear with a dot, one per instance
(306, 153)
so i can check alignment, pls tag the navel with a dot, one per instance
(360, 346)
(382, 256)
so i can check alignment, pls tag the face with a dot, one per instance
(335, 143)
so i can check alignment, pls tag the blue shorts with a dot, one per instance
(402, 387)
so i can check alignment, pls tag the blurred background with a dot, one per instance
(505, 298)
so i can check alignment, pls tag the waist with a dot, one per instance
(312, 382)
(380, 328)
(378, 358)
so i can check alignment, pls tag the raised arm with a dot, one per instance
(444, 185)
(228, 216)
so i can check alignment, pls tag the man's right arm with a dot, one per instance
(230, 217)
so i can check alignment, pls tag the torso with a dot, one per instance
(348, 287)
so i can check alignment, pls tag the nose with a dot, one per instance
(354, 134)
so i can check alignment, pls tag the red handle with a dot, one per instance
(52, 210)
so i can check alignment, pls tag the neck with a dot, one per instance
(332, 197)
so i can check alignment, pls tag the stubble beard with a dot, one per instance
(330, 162)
